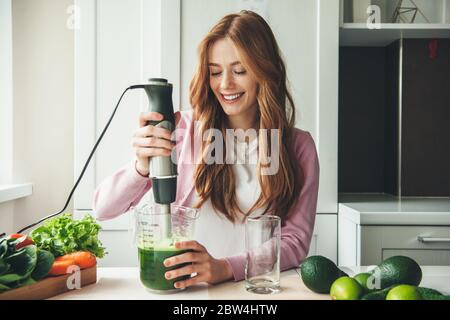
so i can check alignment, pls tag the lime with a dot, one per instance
(346, 288)
(363, 280)
(404, 292)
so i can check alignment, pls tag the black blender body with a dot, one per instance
(163, 171)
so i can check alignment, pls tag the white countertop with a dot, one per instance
(124, 283)
(383, 209)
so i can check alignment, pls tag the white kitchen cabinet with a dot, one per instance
(381, 242)
(324, 240)
(373, 228)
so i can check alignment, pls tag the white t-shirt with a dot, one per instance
(216, 233)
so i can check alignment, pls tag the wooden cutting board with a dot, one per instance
(51, 286)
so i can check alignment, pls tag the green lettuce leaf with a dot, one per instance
(63, 235)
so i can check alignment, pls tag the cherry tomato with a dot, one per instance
(24, 242)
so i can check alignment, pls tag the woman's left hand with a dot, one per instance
(208, 269)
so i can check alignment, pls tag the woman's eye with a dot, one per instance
(215, 74)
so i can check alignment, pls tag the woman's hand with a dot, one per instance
(150, 141)
(208, 269)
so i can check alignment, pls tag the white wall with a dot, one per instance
(285, 18)
(6, 146)
(43, 106)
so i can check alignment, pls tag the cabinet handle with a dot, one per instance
(431, 239)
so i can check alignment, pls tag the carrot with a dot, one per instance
(83, 259)
(61, 267)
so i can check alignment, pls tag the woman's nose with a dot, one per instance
(227, 81)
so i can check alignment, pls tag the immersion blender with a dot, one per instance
(163, 172)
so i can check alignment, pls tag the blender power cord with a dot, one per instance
(87, 162)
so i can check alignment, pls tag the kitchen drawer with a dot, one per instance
(426, 242)
(423, 257)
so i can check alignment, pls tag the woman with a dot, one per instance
(240, 83)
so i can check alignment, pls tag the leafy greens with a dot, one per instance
(22, 267)
(63, 235)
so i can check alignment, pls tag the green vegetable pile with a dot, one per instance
(63, 235)
(398, 278)
(19, 267)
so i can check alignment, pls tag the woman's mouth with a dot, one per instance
(232, 98)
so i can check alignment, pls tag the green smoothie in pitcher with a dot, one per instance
(152, 269)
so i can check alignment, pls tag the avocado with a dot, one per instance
(318, 273)
(426, 293)
(377, 295)
(398, 270)
(431, 294)
(437, 297)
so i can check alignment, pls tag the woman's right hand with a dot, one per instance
(150, 141)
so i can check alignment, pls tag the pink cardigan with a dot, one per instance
(126, 187)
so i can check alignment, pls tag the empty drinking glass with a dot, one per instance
(262, 239)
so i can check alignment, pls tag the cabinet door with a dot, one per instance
(324, 240)
(348, 240)
(423, 257)
(428, 245)
(119, 43)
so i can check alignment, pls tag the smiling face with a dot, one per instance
(232, 84)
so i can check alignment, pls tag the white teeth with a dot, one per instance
(233, 97)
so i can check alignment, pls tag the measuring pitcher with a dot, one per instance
(154, 245)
